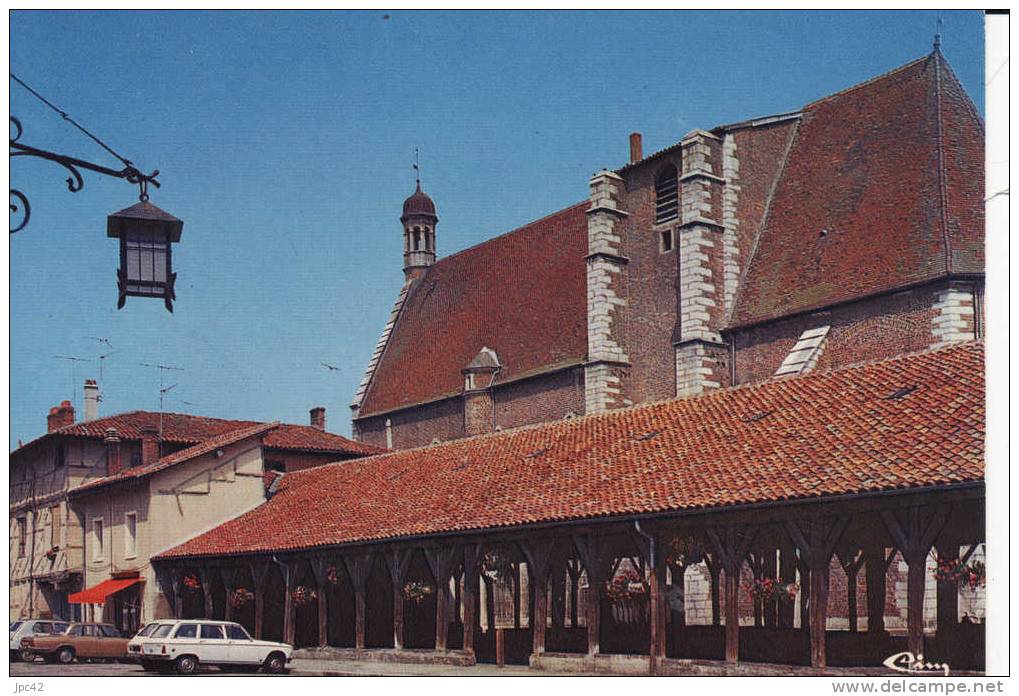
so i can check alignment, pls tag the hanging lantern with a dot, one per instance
(145, 234)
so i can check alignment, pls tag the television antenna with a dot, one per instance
(163, 369)
(331, 368)
(74, 360)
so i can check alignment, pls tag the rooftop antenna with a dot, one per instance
(73, 359)
(162, 389)
(331, 368)
(937, 33)
(102, 358)
(417, 167)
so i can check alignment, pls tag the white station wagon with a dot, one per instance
(184, 645)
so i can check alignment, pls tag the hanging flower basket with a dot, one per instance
(240, 597)
(416, 591)
(191, 583)
(332, 576)
(682, 551)
(303, 595)
(624, 587)
(972, 575)
(52, 553)
(497, 564)
(766, 589)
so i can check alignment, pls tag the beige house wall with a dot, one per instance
(39, 482)
(170, 507)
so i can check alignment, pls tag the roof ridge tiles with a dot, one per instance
(867, 83)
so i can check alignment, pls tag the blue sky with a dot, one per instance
(284, 142)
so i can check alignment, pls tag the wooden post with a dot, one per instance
(590, 549)
(441, 561)
(320, 566)
(573, 570)
(875, 569)
(914, 532)
(259, 575)
(947, 596)
(229, 584)
(816, 538)
(657, 610)
(359, 568)
(787, 574)
(851, 559)
(715, 574)
(205, 577)
(557, 579)
(731, 544)
(471, 556)
(398, 561)
(516, 594)
(539, 556)
(771, 570)
(500, 647)
(289, 610)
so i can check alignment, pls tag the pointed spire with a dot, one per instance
(417, 169)
(937, 35)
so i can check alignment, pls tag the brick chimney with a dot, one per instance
(150, 444)
(91, 400)
(112, 440)
(636, 148)
(318, 417)
(59, 416)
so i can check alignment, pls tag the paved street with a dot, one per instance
(298, 667)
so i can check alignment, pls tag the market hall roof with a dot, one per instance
(523, 294)
(882, 189)
(911, 422)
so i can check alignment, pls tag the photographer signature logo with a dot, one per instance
(908, 663)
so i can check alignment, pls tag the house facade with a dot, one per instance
(849, 230)
(86, 497)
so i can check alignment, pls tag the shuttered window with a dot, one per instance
(666, 195)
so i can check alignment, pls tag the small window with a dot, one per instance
(43, 627)
(186, 631)
(136, 459)
(130, 534)
(235, 632)
(212, 632)
(666, 195)
(90, 631)
(61, 456)
(55, 524)
(22, 534)
(60, 628)
(109, 631)
(97, 540)
(665, 241)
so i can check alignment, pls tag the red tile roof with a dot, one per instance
(182, 428)
(882, 189)
(913, 421)
(206, 446)
(523, 294)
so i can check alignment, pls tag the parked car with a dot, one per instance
(81, 641)
(19, 630)
(185, 645)
(134, 646)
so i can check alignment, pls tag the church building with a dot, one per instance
(849, 230)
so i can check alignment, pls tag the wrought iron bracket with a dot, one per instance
(75, 182)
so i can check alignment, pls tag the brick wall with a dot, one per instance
(866, 330)
(524, 402)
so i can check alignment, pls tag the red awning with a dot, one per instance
(97, 594)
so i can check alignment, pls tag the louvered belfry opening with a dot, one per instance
(666, 195)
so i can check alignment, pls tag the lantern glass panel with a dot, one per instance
(145, 261)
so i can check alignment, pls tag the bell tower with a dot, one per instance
(418, 220)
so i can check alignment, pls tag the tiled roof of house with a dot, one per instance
(910, 422)
(523, 294)
(882, 188)
(185, 429)
(206, 446)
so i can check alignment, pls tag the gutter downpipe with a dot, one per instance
(652, 605)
